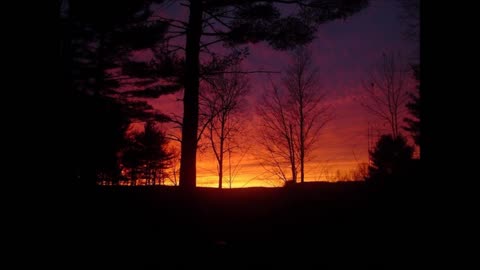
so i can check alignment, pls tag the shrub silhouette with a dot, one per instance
(391, 158)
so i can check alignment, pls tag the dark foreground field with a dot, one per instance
(320, 226)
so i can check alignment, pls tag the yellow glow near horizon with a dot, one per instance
(252, 174)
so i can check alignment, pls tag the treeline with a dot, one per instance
(112, 88)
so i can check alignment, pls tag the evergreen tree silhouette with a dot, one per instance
(391, 158)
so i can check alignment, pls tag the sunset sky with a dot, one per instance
(344, 52)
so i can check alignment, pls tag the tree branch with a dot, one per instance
(204, 45)
(218, 20)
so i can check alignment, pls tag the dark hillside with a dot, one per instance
(340, 225)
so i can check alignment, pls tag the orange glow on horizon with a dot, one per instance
(344, 54)
(343, 146)
(254, 175)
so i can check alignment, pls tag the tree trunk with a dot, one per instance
(302, 141)
(188, 173)
(220, 160)
(229, 166)
(220, 168)
(292, 155)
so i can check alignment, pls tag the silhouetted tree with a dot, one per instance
(156, 154)
(98, 39)
(391, 158)
(413, 106)
(132, 159)
(103, 36)
(301, 82)
(223, 102)
(277, 136)
(235, 23)
(386, 92)
(292, 118)
(147, 156)
(152, 77)
(100, 125)
(411, 18)
(174, 165)
(98, 33)
(360, 172)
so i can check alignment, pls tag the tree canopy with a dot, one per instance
(391, 158)
(282, 24)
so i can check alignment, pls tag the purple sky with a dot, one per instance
(344, 52)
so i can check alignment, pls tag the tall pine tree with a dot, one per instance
(98, 40)
(236, 23)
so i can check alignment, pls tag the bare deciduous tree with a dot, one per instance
(360, 172)
(386, 92)
(239, 150)
(277, 135)
(301, 81)
(234, 24)
(174, 164)
(293, 117)
(223, 102)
